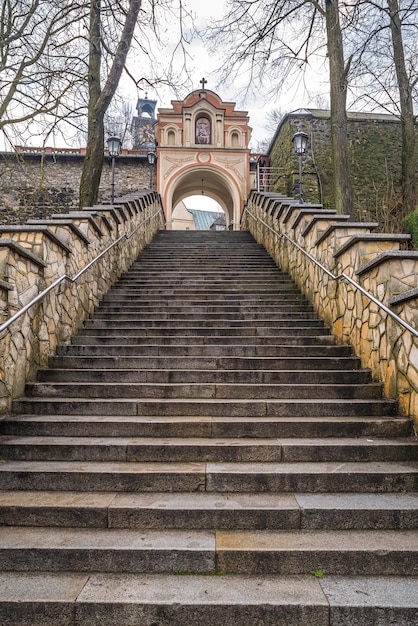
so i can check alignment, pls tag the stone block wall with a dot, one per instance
(350, 252)
(374, 144)
(36, 184)
(48, 257)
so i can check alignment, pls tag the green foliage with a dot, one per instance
(411, 226)
(318, 573)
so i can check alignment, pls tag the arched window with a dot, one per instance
(171, 138)
(203, 131)
(235, 140)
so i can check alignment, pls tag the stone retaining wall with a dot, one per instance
(35, 184)
(34, 256)
(380, 263)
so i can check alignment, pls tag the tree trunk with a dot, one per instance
(338, 98)
(408, 177)
(99, 99)
(93, 161)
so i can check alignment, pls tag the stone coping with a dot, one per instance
(61, 222)
(335, 225)
(6, 286)
(298, 206)
(370, 237)
(318, 217)
(389, 255)
(411, 294)
(21, 251)
(24, 228)
(89, 216)
(311, 211)
(102, 209)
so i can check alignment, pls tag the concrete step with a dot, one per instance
(337, 552)
(261, 408)
(199, 390)
(231, 300)
(174, 449)
(200, 426)
(209, 511)
(293, 336)
(252, 363)
(314, 477)
(206, 318)
(158, 376)
(251, 351)
(78, 599)
(205, 422)
(198, 306)
(133, 321)
(220, 407)
(382, 553)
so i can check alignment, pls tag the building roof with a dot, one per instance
(204, 219)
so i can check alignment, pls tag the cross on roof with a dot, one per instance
(203, 82)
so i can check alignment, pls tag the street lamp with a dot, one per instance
(152, 157)
(113, 145)
(300, 141)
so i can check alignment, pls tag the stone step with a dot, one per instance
(337, 552)
(206, 318)
(209, 511)
(198, 390)
(261, 408)
(267, 377)
(295, 335)
(252, 351)
(170, 299)
(252, 363)
(381, 553)
(302, 477)
(210, 307)
(279, 322)
(200, 336)
(221, 407)
(191, 426)
(77, 599)
(106, 550)
(223, 450)
(217, 274)
(205, 422)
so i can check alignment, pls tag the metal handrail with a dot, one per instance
(339, 277)
(73, 279)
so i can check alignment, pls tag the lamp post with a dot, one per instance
(300, 141)
(113, 145)
(152, 157)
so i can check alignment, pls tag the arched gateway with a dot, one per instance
(203, 149)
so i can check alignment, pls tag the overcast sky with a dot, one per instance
(203, 63)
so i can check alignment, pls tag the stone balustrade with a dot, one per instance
(379, 263)
(38, 254)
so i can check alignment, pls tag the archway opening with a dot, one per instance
(199, 190)
(198, 213)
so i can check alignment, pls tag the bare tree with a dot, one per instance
(278, 38)
(387, 74)
(107, 61)
(407, 110)
(100, 97)
(41, 60)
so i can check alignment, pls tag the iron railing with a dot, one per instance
(73, 279)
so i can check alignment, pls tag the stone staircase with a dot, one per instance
(203, 452)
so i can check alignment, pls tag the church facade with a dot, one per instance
(202, 149)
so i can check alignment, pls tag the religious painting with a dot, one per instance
(203, 131)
